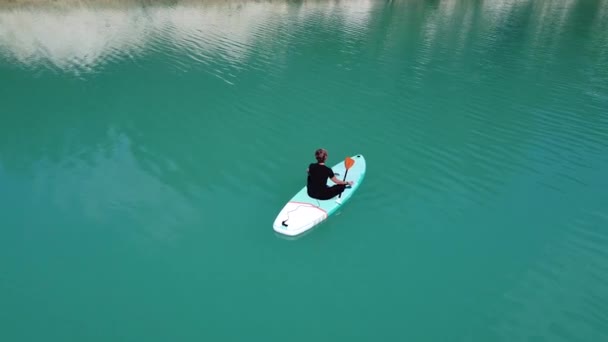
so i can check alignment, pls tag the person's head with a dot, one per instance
(321, 155)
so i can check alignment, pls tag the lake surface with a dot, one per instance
(146, 148)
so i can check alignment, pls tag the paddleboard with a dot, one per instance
(303, 212)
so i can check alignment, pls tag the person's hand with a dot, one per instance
(349, 183)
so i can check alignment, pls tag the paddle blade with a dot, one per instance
(349, 162)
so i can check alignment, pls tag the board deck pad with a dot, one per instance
(303, 212)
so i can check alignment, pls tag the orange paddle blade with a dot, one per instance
(349, 162)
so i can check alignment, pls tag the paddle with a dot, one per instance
(348, 163)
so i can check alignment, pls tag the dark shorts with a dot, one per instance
(327, 193)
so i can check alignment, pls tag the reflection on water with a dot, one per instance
(417, 47)
(83, 37)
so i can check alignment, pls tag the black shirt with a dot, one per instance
(318, 175)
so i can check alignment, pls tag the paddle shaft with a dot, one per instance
(348, 163)
(344, 180)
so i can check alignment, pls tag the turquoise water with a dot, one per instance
(145, 151)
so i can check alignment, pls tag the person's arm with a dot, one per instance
(337, 181)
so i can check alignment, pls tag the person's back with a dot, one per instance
(318, 174)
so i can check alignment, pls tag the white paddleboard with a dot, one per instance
(303, 212)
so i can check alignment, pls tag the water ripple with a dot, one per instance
(564, 285)
(479, 119)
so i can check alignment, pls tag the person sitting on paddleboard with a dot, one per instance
(318, 173)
